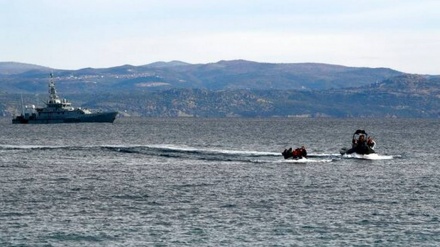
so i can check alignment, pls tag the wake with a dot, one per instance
(373, 156)
(192, 153)
(178, 152)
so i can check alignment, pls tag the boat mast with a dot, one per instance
(52, 91)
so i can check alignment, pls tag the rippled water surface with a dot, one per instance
(218, 182)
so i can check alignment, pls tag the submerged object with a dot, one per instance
(61, 111)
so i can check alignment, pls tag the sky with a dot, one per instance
(71, 34)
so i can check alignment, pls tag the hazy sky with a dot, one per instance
(72, 34)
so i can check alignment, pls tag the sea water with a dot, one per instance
(218, 182)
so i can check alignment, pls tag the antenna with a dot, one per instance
(22, 105)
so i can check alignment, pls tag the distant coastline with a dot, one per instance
(235, 88)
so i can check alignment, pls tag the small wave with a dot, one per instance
(193, 185)
(80, 238)
(15, 214)
(62, 179)
(27, 147)
(131, 197)
(44, 147)
(373, 156)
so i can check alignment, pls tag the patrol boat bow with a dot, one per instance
(61, 111)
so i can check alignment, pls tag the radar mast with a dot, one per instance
(53, 97)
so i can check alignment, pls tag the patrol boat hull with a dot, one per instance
(106, 117)
(59, 110)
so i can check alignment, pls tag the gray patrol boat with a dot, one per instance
(61, 111)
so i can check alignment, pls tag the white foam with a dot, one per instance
(28, 146)
(373, 156)
(308, 160)
(211, 150)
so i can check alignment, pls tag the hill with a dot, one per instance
(409, 96)
(237, 74)
(232, 89)
(12, 68)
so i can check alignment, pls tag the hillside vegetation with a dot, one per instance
(230, 89)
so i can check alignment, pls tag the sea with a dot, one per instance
(219, 182)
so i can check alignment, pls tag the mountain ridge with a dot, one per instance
(236, 88)
(233, 74)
